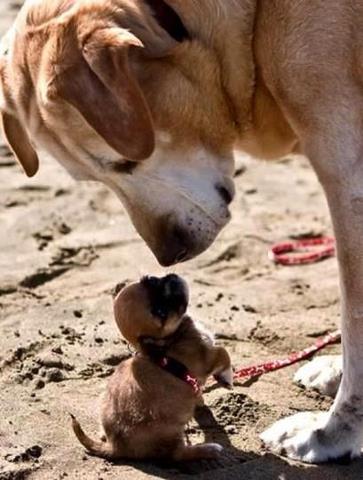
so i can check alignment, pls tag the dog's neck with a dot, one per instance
(227, 26)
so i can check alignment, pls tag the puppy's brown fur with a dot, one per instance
(146, 408)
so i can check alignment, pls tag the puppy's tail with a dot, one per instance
(94, 447)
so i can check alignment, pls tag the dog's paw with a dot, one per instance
(323, 374)
(305, 437)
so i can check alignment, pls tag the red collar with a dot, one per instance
(178, 370)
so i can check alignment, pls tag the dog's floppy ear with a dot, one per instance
(14, 133)
(102, 88)
(19, 143)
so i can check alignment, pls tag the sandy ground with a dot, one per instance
(64, 246)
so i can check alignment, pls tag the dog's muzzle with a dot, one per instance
(167, 295)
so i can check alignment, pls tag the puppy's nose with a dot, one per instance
(226, 190)
(176, 249)
(176, 292)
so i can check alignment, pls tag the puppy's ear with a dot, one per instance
(117, 289)
(19, 143)
(221, 367)
(101, 86)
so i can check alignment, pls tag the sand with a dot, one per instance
(65, 245)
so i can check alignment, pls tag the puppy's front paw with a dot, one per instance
(308, 437)
(323, 374)
(225, 378)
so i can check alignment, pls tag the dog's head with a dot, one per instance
(152, 308)
(125, 92)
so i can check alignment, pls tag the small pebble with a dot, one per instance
(231, 429)
(54, 375)
(57, 350)
(39, 384)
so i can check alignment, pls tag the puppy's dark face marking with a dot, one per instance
(168, 296)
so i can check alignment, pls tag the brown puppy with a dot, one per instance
(152, 396)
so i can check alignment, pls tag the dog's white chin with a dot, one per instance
(158, 194)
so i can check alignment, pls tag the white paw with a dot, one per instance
(323, 374)
(305, 437)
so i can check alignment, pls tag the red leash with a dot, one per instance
(254, 371)
(302, 252)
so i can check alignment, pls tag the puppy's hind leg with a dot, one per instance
(185, 453)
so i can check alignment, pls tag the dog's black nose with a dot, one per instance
(150, 281)
(175, 292)
(169, 285)
(226, 190)
(167, 294)
(177, 247)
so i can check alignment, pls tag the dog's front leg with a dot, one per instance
(337, 155)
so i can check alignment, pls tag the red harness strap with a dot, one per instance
(174, 367)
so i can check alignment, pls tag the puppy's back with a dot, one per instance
(145, 406)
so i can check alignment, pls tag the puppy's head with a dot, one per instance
(134, 94)
(152, 308)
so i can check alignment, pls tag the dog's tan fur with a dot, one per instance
(146, 409)
(269, 77)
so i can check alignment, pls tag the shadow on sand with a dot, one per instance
(236, 464)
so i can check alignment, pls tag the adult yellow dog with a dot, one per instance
(151, 97)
